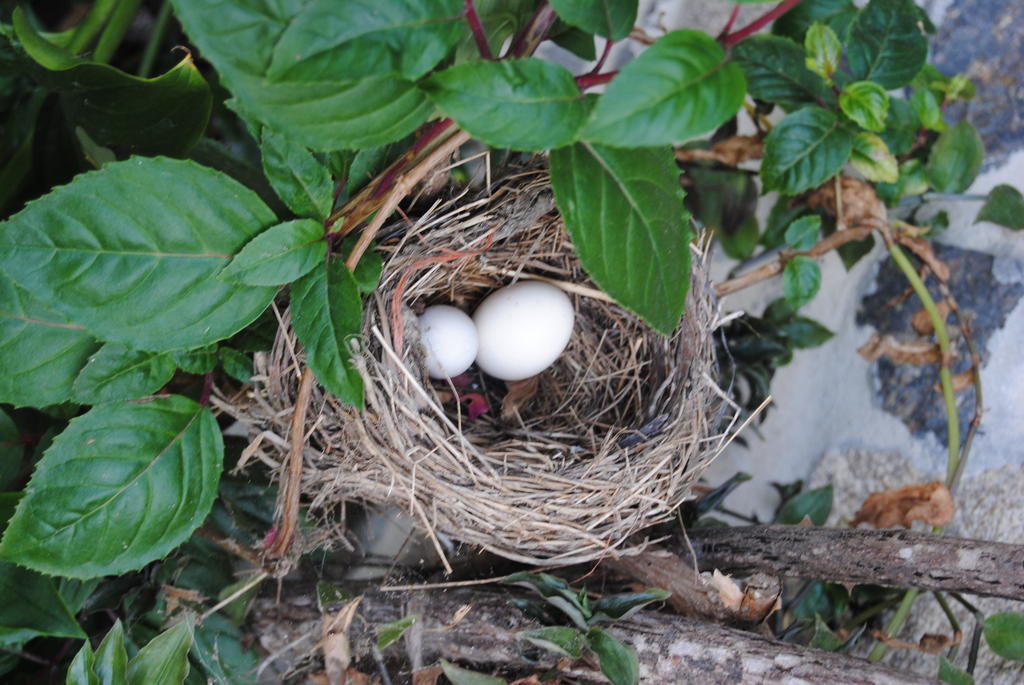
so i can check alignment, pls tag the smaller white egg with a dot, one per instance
(449, 339)
(523, 329)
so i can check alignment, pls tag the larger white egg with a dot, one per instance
(522, 329)
(449, 341)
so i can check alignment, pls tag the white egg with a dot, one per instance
(522, 329)
(449, 340)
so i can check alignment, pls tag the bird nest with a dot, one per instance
(563, 469)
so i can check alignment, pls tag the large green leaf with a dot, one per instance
(41, 351)
(801, 280)
(301, 181)
(32, 607)
(327, 314)
(866, 103)
(872, 158)
(324, 73)
(680, 87)
(955, 159)
(492, 100)
(164, 659)
(814, 504)
(279, 255)
(624, 212)
(612, 19)
(165, 115)
(836, 14)
(804, 150)
(776, 71)
(1004, 206)
(559, 639)
(117, 372)
(1004, 634)
(81, 671)
(111, 659)
(901, 126)
(123, 485)
(129, 252)
(886, 44)
(217, 646)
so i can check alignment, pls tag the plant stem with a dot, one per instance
(951, 617)
(589, 80)
(86, 32)
(114, 32)
(898, 619)
(473, 19)
(155, 37)
(728, 25)
(732, 39)
(535, 31)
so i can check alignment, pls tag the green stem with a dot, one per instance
(155, 38)
(114, 32)
(85, 33)
(898, 619)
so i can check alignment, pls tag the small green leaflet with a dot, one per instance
(680, 87)
(301, 181)
(32, 607)
(801, 279)
(948, 673)
(803, 233)
(776, 71)
(279, 255)
(492, 100)
(327, 314)
(391, 632)
(814, 504)
(236, 364)
(824, 51)
(1004, 634)
(1004, 206)
(124, 484)
(928, 110)
(901, 126)
(81, 670)
(619, 662)
(217, 647)
(111, 659)
(624, 212)
(804, 150)
(866, 103)
(129, 252)
(462, 676)
(559, 639)
(200, 360)
(823, 637)
(118, 372)
(612, 19)
(955, 159)
(885, 44)
(164, 659)
(872, 158)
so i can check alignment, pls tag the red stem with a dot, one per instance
(588, 80)
(604, 57)
(534, 32)
(728, 24)
(473, 19)
(733, 38)
(388, 179)
(204, 398)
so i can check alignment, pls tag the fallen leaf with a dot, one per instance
(917, 352)
(963, 381)
(176, 595)
(931, 643)
(861, 206)
(923, 249)
(761, 597)
(922, 323)
(728, 591)
(518, 397)
(427, 676)
(730, 152)
(335, 645)
(928, 502)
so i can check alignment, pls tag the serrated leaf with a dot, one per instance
(823, 637)
(824, 50)
(955, 159)
(776, 71)
(491, 100)
(81, 669)
(217, 647)
(885, 44)
(559, 639)
(128, 252)
(680, 87)
(278, 255)
(901, 126)
(308, 100)
(301, 181)
(866, 103)
(117, 372)
(124, 484)
(948, 673)
(462, 676)
(836, 14)
(41, 351)
(32, 607)
(619, 662)
(198, 361)
(165, 115)
(872, 158)
(623, 605)
(929, 113)
(111, 661)
(1004, 206)
(612, 19)
(803, 233)
(392, 631)
(1004, 633)
(815, 504)
(327, 314)
(804, 150)
(237, 364)
(164, 659)
(624, 212)
(801, 279)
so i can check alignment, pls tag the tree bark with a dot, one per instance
(895, 558)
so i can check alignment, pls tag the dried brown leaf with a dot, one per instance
(861, 206)
(930, 643)
(917, 352)
(922, 323)
(176, 595)
(731, 151)
(963, 381)
(518, 397)
(427, 676)
(928, 502)
(335, 645)
(923, 249)
(728, 591)
(761, 597)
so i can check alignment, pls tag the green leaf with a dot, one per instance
(12, 449)
(623, 605)
(619, 662)
(872, 158)
(501, 19)
(491, 100)
(948, 673)
(327, 314)
(328, 595)
(236, 364)
(217, 647)
(111, 662)
(801, 280)
(559, 639)
(823, 637)
(815, 504)
(41, 351)
(1004, 206)
(198, 361)
(779, 219)
(803, 233)
(278, 255)
(901, 126)
(624, 212)
(576, 41)
(128, 252)
(286, 63)
(805, 333)
(741, 244)
(806, 149)
(955, 159)
(117, 372)
(556, 592)
(824, 51)
(836, 14)
(928, 110)
(776, 71)
(164, 659)
(866, 103)
(1004, 634)
(612, 19)
(462, 676)
(165, 115)
(32, 607)
(680, 87)
(390, 632)
(301, 181)
(81, 670)
(123, 485)
(885, 44)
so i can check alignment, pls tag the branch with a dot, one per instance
(733, 38)
(473, 19)
(895, 558)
